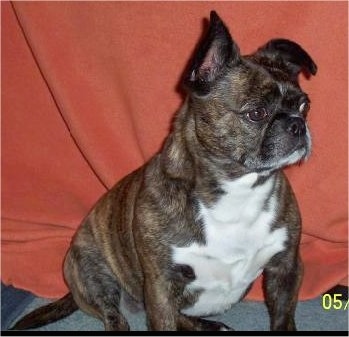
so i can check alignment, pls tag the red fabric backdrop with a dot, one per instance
(88, 91)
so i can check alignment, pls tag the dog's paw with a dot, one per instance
(225, 328)
(187, 323)
(217, 326)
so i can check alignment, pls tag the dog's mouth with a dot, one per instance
(274, 158)
(298, 154)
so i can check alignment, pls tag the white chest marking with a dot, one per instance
(239, 243)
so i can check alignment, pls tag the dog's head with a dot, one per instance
(249, 110)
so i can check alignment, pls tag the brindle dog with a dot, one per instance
(187, 233)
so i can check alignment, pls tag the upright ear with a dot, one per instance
(290, 55)
(215, 53)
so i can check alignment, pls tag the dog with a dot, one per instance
(186, 234)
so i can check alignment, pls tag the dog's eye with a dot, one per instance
(257, 115)
(304, 108)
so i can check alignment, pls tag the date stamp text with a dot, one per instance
(334, 302)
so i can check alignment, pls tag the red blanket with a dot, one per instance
(88, 92)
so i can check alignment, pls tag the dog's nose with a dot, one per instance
(296, 126)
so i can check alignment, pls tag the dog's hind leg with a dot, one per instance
(94, 286)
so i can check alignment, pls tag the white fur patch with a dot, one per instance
(239, 243)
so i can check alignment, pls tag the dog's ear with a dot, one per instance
(290, 55)
(215, 53)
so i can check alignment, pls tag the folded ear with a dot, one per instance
(215, 53)
(290, 55)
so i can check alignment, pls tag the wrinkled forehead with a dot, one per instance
(256, 82)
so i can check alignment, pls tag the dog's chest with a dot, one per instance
(239, 242)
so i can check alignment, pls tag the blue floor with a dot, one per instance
(13, 302)
(244, 316)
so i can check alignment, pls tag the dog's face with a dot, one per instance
(250, 110)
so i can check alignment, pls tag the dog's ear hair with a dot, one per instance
(215, 53)
(290, 55)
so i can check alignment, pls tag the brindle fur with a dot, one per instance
(124, 244)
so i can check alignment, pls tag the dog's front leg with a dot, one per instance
(161, 313)
(281, 285)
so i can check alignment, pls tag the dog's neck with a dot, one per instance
(185, 159)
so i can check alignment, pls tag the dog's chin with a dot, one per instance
(296, 156)
(266, 166)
